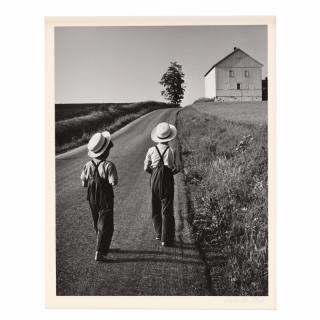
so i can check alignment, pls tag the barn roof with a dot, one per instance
(229, 55)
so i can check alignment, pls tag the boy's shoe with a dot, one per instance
(158, 238)
(100, 257)
(166, 244)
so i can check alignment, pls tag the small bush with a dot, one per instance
(204, 100)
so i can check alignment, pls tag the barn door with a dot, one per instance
(238, 86)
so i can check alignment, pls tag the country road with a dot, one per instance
(140, 266)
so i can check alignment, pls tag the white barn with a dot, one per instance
(237, 77)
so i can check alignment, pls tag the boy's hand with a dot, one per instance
(149, 170)
(84, 183)
(177, 170)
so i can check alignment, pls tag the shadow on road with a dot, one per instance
(161, 256)
(149, 252)
(154, 260)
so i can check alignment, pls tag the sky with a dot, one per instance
(125, 64)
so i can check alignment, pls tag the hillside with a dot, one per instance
(75, 123)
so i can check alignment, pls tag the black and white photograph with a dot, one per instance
(161, 158)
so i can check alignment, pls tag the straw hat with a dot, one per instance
(163, 132)
(98, 144)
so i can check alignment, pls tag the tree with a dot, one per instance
(173, 84)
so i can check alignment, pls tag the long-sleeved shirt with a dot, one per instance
(152, 158)
(107, 170)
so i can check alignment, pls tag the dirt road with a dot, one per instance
(140, 265)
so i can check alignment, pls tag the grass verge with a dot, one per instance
(75, 124)
(226, 173)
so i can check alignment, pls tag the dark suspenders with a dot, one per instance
(96, 166)
(161, 155)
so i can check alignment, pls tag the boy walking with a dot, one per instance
(100, 175)
(160, 163)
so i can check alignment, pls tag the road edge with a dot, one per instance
(185, 205)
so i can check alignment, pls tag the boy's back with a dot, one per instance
(152, 157)
(106, 169)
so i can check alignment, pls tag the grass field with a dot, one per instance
(251, 112)
(74, 110)
(226, 173)
(75, 123)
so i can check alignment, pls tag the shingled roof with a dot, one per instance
(229, 55)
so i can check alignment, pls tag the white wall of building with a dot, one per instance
(245, 83)
(225, 82)
(210, 84)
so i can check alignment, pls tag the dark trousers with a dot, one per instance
(104, 227)
(163, 218)
(162, 209)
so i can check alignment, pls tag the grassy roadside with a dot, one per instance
(75, 124)
(226, 173)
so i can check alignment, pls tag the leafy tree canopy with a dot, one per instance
(173, 84)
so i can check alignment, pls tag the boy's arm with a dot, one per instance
(176, 164)
(84, 177)
(147, 163)
(112, 174)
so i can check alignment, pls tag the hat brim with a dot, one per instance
(92, 154)
(173, 134)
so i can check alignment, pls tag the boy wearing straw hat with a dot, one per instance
(160, 163)
(99, 176)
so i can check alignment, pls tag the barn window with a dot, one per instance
(238, 86)
(231, 74)
(246, 73)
